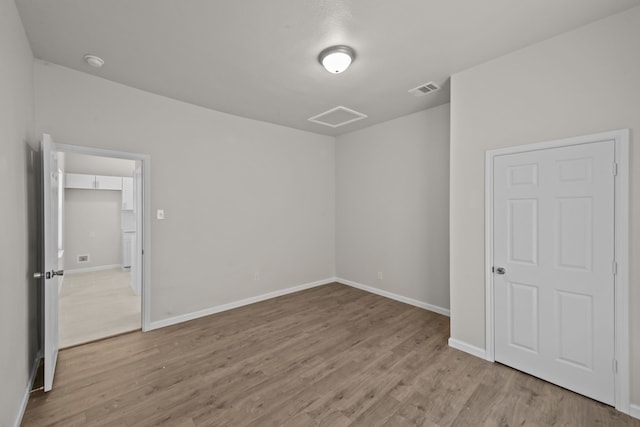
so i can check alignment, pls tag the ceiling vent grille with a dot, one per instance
(424, 89)
(337, 117)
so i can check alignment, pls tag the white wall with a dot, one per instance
(392, 206)
(92, 217)
(581, 82)
(18, 215)
(97, 165)
(239, 195)
(92, 227)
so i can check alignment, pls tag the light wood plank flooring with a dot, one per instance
(331, 355)
(97, 305)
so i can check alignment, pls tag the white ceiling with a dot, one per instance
(258, 59)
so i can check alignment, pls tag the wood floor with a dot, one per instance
(97, 305)
(331, 355)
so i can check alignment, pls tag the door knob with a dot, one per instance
(499, 270)
(48, 274)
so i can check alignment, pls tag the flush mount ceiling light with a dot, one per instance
(336, 59)
(94, 61)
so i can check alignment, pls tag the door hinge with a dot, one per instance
(615, 366)
(615, 169)
(614, 267)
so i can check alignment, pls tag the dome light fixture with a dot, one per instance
(336, 59)
(94, 61)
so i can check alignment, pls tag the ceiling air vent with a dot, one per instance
(424, 89)
(336, 117)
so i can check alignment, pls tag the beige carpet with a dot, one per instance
(97, 305)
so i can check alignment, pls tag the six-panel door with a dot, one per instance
(554, 236)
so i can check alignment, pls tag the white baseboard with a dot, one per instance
(406, 300)
(25, 398)
(634, 411)
(229, 306)
(468, 348)
(90, 269)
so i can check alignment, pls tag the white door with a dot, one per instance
(553, 256)
(50, 274)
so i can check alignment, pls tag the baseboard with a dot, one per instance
(634, 411)
(91, 269)
(468, 348)
(229, 306)
(25, 398)
(406, 300)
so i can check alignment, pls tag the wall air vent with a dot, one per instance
(424, 89)
(336, 117)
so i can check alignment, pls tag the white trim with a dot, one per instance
(145, 248)
(235, 304)
(621, 144)
(390, 295)
(91, 269)
(25, 398)
(488, 255)
(634, 411)
(468, 348)
(622, 297)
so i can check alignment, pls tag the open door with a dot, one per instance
(50, 274)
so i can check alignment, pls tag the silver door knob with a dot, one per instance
(499, 270)
(48, 274)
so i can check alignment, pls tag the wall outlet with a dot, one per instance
(380, 277)
(83, 258)
(160, 214)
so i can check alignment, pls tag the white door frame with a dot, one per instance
(621, 224)
(144, 238)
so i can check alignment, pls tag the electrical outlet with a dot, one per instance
(83, 258)
(380, 277)
(160, 214)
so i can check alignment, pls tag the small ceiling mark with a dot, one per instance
(424, 89)
(338, 116)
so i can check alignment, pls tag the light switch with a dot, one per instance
(160, 214)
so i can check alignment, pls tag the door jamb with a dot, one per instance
(145, 249)
(621, 234)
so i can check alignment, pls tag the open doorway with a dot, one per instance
(103, 203)
(53, 184)
(100, 293)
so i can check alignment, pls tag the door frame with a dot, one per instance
(143, 239)
(620, 139)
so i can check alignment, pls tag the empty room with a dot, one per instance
(322, 212)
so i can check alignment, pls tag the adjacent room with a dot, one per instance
(319, 213)
(100, 295)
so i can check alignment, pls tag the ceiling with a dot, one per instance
(258, 59)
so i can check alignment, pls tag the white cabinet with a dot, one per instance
(79, 180)
(108, 182)
(128, 203)
(93, 182)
